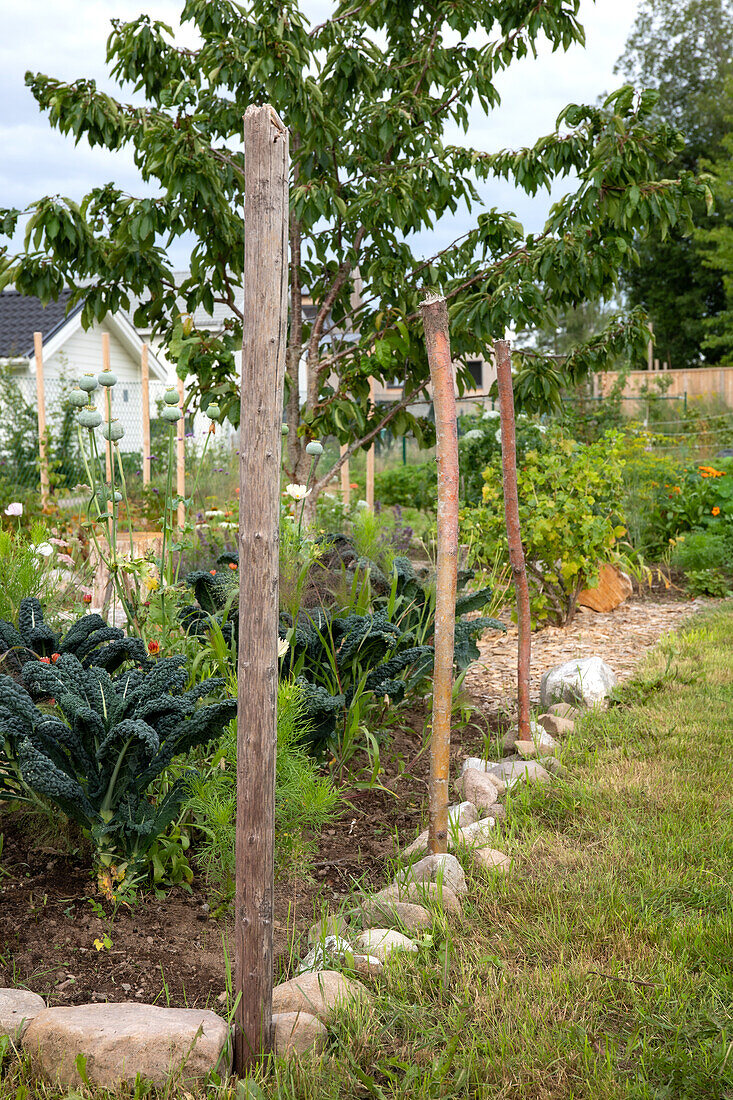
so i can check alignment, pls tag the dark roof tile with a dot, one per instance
(22, 315)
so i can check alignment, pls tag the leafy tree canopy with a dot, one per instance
(683, 51)
(367, 96)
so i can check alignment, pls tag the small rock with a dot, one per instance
(588, 682)
(540, 746)
(223, 997)
(461, 814)
(487, 859)
(332, 925)
(562, 710)
(478, 834)
(521, 771)
(434, 867)
(367, 966)
(322, 954)
(421, 893)
(507, 743)
(553, 765)
(395, 914)
(383, 942)
(497, 811)
(318, 993)
(17, 1008)
(120, 1041)
(554, 724)
(480, 787)
(297, 1033)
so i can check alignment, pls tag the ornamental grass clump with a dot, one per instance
(109, 738)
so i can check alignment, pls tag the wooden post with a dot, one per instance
(514, 533)
(435, 321)
(650, 348)
(41, 399)
(370, 457)
(263, 370)
(145, 396)
(345, 478)
(107, 412)
(181, 459)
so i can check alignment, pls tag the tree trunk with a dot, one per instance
(514, 535)
(435, 319)
(263, 365)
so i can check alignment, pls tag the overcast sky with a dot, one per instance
(66, 39)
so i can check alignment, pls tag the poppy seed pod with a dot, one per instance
(78, 399)
(113, 431)
(213, 412)
(285, 429)
(171, 396)
(107, 378)
(89, 417)
(314, 448)
(88, 382)
(171, 414)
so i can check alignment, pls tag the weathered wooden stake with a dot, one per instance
(145, 395)
(435, 320)
(369, 494)
(263, 370)
(181, 459)
(345, 478)
(107, 413)
(41, 399)
(503, 358)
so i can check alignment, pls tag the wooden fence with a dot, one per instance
(690, 384)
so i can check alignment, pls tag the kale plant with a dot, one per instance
(112, 737)
(89, 639)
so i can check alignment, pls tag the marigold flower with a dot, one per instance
(213, 572)
(232, 565)
(153, 648)
(715, 511)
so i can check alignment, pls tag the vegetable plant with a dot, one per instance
(97, 752)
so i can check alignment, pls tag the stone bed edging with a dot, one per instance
(114, 1043)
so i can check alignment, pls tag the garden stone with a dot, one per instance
(539, 746)
(497, 811)
(433, 867)
(553, 765)
(298, 1033)
(17, 1008)
(588, 682)
(395, 914)
(507, 743)
(332, 925)
(421, 893)
(487, 859)
(476, 763)
(383, 942)
(478, 834)
(462, 813)
(521, 771)
(480, 787)
(562, 710)
(367, 965)
(318, 958)
(120, 1041)
(318, 993)
(555, 725)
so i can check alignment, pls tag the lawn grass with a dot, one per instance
(601, 965)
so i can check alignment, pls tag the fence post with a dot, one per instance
(514, 533)
(345, 478)
(370, 456)
(435, 321)
(41, 399)
(265, 280)
(145, 396)
(181, 460)
(107, 398)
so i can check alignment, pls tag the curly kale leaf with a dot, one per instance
(213, 591)
(467, 631)
(321, 711)
(44, 777)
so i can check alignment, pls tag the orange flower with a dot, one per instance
(213, 572)
(87, 598)
(153, 648)
(232, 565)
(54, 658)
(715, 511)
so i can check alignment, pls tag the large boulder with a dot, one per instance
(298, 1033)
(17, 1008)
(613, 588)
(117, 1042)
(318, 993)
(587, 681)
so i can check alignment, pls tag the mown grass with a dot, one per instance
(600, 967)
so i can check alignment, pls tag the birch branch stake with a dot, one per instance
(435, 321)
(263, 372)
(503, 358)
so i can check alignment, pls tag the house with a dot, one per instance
(69, 351)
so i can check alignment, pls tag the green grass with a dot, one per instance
(600, 967)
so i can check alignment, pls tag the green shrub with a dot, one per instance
(415, 486)
(701, 497)
(570, 503)
(303, 800)
(704, 557)
(102, 746)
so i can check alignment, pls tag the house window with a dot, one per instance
(125, 396)
(476, 370)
